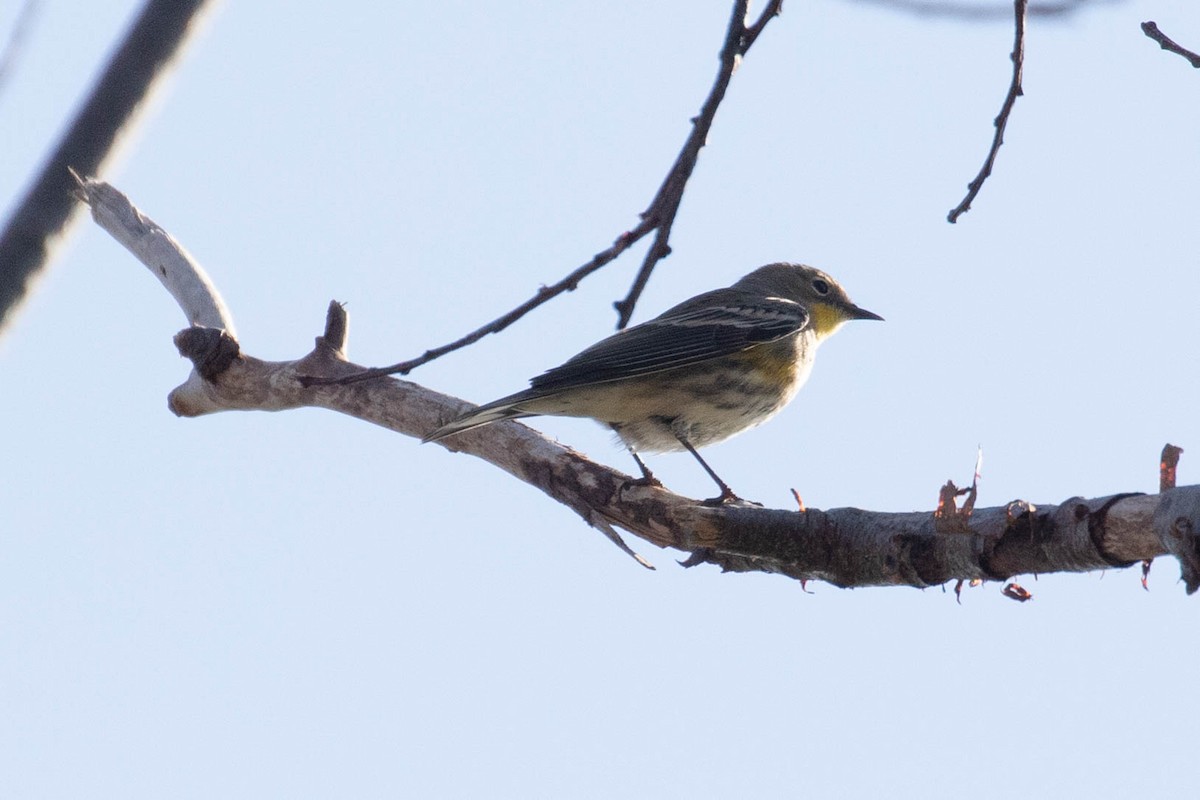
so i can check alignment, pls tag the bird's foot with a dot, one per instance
(725, 497)
(645, 480)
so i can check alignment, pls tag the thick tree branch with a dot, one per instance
(1001, 121)
(845, 547)
(659, 216)
(42, 216)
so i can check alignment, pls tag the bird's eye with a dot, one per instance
(821, 286)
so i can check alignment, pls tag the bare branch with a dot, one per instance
(845, 547)
(1001, 122)
(665, 205)
(1166, 43)
(658, 217)
(567, 284)
(44, 213)
(183, 277)
(772, 10)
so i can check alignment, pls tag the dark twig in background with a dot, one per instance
(659, 216)
(976, 12)
(45, 211)
(1014, 91)
(1166, 43)
(16, 39)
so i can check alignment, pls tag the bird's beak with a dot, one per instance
(854, 312)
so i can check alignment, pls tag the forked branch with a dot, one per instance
(658, 218)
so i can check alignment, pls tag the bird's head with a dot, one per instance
(827, 302)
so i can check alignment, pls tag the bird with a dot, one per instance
(702, 371)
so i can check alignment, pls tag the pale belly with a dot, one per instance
(701, 403)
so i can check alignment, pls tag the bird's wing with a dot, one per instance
(696, 330)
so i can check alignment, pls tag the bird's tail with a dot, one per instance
(484, 415)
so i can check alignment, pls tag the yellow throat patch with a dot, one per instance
(826, 319)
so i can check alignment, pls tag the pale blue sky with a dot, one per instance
(300, 605)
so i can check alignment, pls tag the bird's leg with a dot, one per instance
(726, 495)
(647, 478)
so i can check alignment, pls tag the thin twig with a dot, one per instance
(773, 9)
(623, 243)
(1166, 43)
(738, 40)
(1014, 91)
(658, 217)
(16, 39)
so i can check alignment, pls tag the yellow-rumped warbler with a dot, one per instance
(709, 368)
